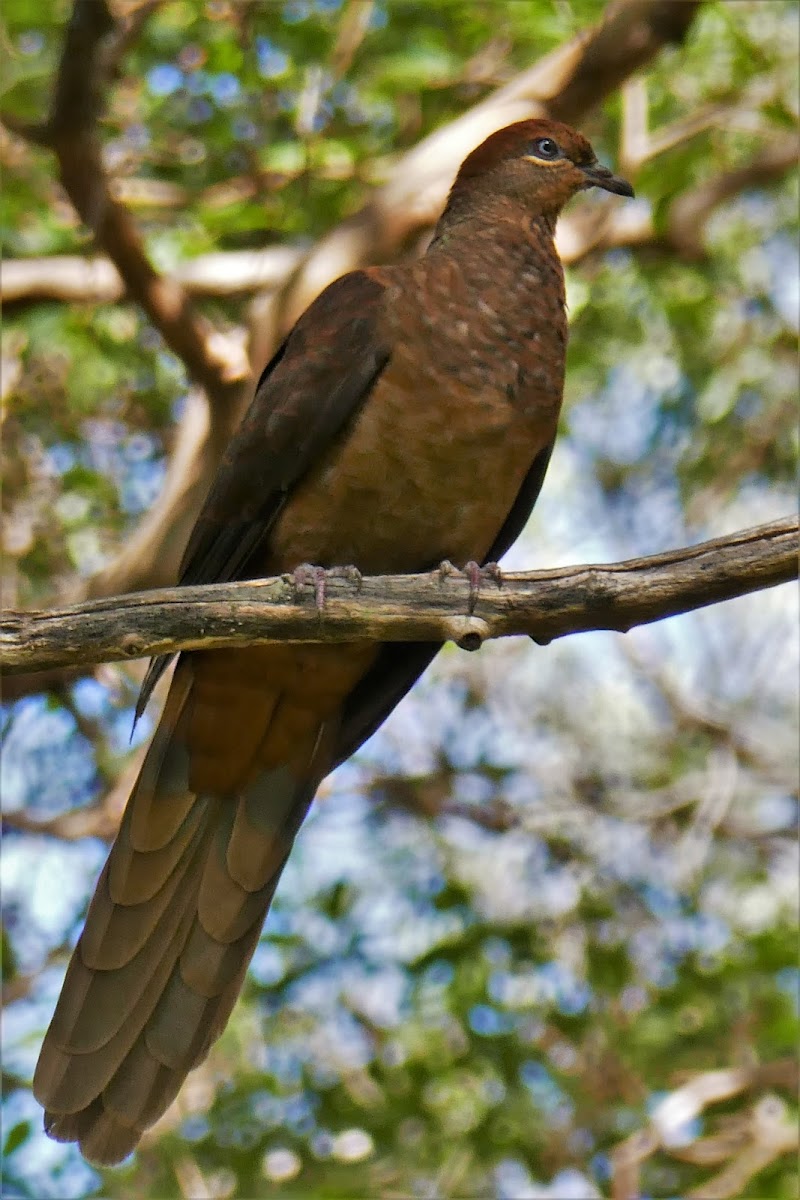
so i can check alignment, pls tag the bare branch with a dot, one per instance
(91, 48)
(689, 213)
(752, 1141)
(72, 278)
(543, 604)
(69, 826)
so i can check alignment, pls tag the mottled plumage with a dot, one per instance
(407, 418)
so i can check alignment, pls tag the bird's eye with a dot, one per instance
(546, 148)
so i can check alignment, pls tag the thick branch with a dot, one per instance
(73, 278)
(542, 604)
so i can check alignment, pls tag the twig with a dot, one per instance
(766, 1134)
(543, 604)
(92, 45)
(689, 212)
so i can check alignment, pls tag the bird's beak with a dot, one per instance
(599, 176)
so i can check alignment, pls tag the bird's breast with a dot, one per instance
(431, 466)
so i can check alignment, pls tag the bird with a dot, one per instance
(406, 420)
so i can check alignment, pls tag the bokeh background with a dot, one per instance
(528, 925)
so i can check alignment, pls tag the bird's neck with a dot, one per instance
(499, 246)
(492, 280)
(469, 215)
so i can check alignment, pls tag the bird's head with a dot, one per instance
(538, 163)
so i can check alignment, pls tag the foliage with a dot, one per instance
(558, 879)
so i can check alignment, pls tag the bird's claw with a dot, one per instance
(307, 574)
(351, 574)
(476, 575)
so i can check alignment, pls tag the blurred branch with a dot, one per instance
(751, 1142)
(18, 987)
(74, 279)
(353, 26)
(101, 818)
(98, 820)
(689, 212)
(639, 145)
(750, 452)
(542, 604)
(691, 717)
(191, 1180)
(148, 555)
(92, 45)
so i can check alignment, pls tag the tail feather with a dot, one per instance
(138, 1095)
(261, 833)
(65, 1081)
(172, 1031)
(134, 876)
(115, 933)
(173, 925)
(225, 909)
(161, 800)
(95, 1005)
(105, 1140)
(208, 966)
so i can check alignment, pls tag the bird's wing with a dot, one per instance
(522, 508)
(306, 396)
(308, 393)
(400, 664)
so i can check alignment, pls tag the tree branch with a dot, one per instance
(72, 278)
(92, 45)
(542, 604)
(749, 1144)
(218, 364)
(689, 212)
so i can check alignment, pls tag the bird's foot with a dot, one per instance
(350, 573)
(476, 575)
(308, 575)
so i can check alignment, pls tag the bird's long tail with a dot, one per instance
(169, 934)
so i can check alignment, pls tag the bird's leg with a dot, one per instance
(475, 574)
(307, 574)
(493, 571)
